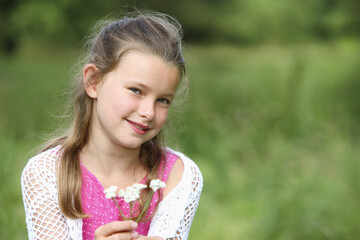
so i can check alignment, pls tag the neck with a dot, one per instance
(109, 160)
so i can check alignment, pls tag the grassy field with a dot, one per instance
(274, 129)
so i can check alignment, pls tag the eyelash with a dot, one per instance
(164, 101)
(135, 90)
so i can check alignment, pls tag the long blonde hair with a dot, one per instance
(155, 33)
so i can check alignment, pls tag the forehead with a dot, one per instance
(144, 53)
(147, 69)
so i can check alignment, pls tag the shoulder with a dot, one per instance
(41, 164)
(44, 159)
(189, 166)
(171, 222)
(184, 173)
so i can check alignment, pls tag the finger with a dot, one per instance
(124, 236)
(115, 227)
(141, 237)
(155, 238)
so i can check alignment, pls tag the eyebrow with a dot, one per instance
(170, 95)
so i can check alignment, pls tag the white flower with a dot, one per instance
(110, 192)
(121, 193)
(132, 193)
(139, 186)
(156, 184)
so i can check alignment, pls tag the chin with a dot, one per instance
(133, 146)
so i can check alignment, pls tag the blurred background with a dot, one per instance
(272, 115)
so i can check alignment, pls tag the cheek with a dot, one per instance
(123, 104)
(161, 116)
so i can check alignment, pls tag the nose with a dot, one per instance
(147, 109)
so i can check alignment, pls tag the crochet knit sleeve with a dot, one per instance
(38, 182)
(176, 211)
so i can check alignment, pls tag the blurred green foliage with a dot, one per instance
(232, 21)
(272, 116)
(273, 128)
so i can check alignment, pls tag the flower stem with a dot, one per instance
(121, 213)
(131, 207)
(146, 206)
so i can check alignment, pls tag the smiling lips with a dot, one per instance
(138, 127)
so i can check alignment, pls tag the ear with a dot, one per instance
(90, 83)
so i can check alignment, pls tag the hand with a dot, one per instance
(119, 230)
(149, 238)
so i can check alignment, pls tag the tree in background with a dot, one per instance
(231, 21)
(8, 39)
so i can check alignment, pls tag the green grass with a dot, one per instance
(274, 130)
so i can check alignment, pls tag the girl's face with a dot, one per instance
(131, 102)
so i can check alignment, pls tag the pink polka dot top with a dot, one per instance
(102, 210)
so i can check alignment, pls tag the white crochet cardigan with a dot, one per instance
(45, 221)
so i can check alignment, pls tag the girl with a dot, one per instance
(121, 103)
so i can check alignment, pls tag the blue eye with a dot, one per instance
(135, 90)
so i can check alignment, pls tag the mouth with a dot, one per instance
(138, 127)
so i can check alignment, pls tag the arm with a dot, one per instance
(175, 214)
(43, 217)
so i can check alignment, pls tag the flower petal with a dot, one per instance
(110, 192)
(155, 184)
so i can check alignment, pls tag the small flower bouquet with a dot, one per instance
(132, 194)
